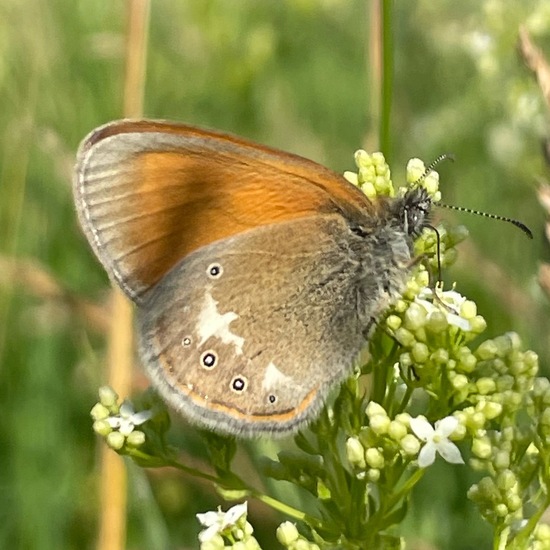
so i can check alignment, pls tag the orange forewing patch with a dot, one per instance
(165, 203)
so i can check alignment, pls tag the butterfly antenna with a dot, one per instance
(517, 223)
(430, 168)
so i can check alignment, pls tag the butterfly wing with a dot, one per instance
(253, 289)
(149, 193)
(247, 335)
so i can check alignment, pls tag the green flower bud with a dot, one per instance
(504, 382)
(115, 440)
(517, 367)
(410, 445)
(415, 317)
(531, 359)
(420, 334)
(374, 458)
(362, 159)
(136, 438)
(107, 396)
(506, 480)
(459, 381)
(431, 183)
(436, 322)
(440, 356)
(373, 475)
(420, 352)
(379, 424)
(99, 412)
(481, 447)
(501, 460)
(102, 428)
(477, 325)
(460, 431)
(355, 453)
(476, 420)
(492, 410)
(487, 350)
(378, 159)
(468, 309)
(400, 306)
(512, 400)
(404, 337)
(467, 361)
(542, 532)
(486, 385)
(415, 170)
(501, 510)
(403, 418)
(397, 430)
(287, 533)
(369, 190)
(374, 408)
(393, 322)
(488, 490)
(514, 502)
(351, 177)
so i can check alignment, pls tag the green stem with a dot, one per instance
(387, 78)
(237, 483)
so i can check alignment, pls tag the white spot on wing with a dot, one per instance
(274, 378)
(213, 323)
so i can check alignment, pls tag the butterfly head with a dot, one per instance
(414, 210)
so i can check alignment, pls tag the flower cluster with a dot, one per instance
(373, 175)
(386, 442)
(227, 530)
(116, 423)
(429, 388)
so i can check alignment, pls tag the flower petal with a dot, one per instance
(426, 457)
(141, 417)
(421, 428)
(114, 422)
(458, 321)
(450, 452)
(208, 518)
(234, 514)
(209, 533)
(126, 427)
(446, 426)
(126, 409)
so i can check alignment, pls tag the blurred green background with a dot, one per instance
(293, 74)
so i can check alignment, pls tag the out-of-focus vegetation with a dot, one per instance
(292, 74)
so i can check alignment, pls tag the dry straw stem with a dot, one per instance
(112, 529)
(535, 60)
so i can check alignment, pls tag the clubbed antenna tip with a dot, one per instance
(517, 223)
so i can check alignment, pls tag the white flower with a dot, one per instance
(436, 440)
(218, 522)
(128, 419)
(452, 299)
